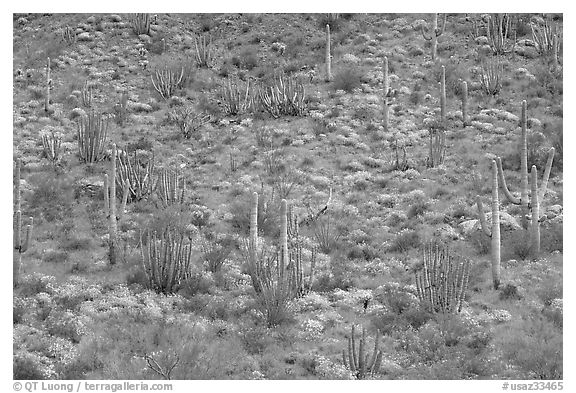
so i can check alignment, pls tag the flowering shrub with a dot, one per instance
(326, 369)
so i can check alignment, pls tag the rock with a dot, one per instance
(446, 232)
(84, 37)
(507, 222)
(115, 18)
(91, 19)
(482, 40)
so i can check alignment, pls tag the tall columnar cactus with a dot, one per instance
(443, 95)
(136, 174)
(435, 32)
(48, 84)
(442, 284)
(203, 52)
(21, 244)
(524, 195)
(360, 363)
(141, 23)
(494, 232)
(465, 120)
(535, 207)
(385, 95)
(328, 57)
(112, 226)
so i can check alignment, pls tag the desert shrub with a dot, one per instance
(549, 290)
(248, 59)
(551, 238)
(517, 244)
(404, 241)
(52, 197)
(55, 256)
(64, 324)
(536, 348)
(417, 209)
(197, 282)
(555, 134)
(416, 95)
(30, 365)
(347, 79)
(509, 292)
(35, 283)
(480, 242)
(77, 244)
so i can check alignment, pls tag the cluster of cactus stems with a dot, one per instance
(546, 38)
(491, 75)
(494, 232)
(442, 284)
(358, 361)
(168, 187)
(188, 122)
(434, 33)
(21, 241)
(203, 54)
(92, 135)
(328, 55)
(48, 85)
(69, 35)
(136, 173)
(278, 279)
(87, 95)
(498, 31)
(110, 206)
(465, 118)
(235, 98)
(166, 261)
(532, 200)
(386, 94)
(284, 97)
(166, 81)
(51, 143)
(141, 23)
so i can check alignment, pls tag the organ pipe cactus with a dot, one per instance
(494, 232)
(203, 52)
(328, 56)
(167, 188)
(21, 243)
(141, 23)
(434, 33)
(360, 363)
(442, 284)
(136, 173)
(92, 135)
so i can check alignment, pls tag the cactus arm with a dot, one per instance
(544, 185)
(524, 158)
(328, 57)
(465, 103)
(112, 221)
(443, 95)
(507, 192)
(482, 217)
(385, 95)
(17, 226)
(424, 33)
(441, 31)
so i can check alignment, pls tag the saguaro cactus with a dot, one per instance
(493, 233)
(535, 206)
(361, 364)
(435, 32)
(110, 205)
(328, 57)
(48, 83)
(465, 120)
(524, 196)
(443, 95)
(385, 95)
(20, 246)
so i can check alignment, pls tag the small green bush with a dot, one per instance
(347, 79)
